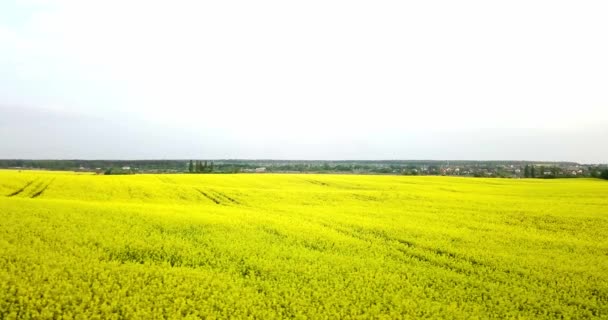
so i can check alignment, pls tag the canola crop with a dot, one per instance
(81, 246)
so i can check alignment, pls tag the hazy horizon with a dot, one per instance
(321, 80)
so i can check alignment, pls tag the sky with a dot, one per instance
(460, 80)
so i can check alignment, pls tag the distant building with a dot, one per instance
(126, 168)
(260, 170)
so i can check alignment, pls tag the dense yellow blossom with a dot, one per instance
(300, 246)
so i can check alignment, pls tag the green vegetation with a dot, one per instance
(301, 246)
(488, 169)
(200, 166)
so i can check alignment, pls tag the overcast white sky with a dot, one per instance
(304, 79)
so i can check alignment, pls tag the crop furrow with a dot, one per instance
(317, 182)
(369, 235)
(17, 192)
(363, 197)
(222, 195)
(432, 262)
(215, 200)
(41, 191)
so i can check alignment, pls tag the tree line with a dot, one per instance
(200, 166)
(530, 171)
(418, 167)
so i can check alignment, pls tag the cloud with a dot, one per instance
(315, 74)
(39, 133)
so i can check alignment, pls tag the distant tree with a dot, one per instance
(604, 174)
(542, 171)
(527, 171)
(532, 171)
(191, 167)
(211, 167)
(433, 169)
(342, 168)
(198, 166)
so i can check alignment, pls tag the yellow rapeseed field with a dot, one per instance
(300, 246)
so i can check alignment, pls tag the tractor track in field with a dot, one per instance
(425, 254)
(215, 200)
(363, 197)
(408, 250)
(222, 195)
(317, 182)
(19, 191)
(38, 193)
(218, 197)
